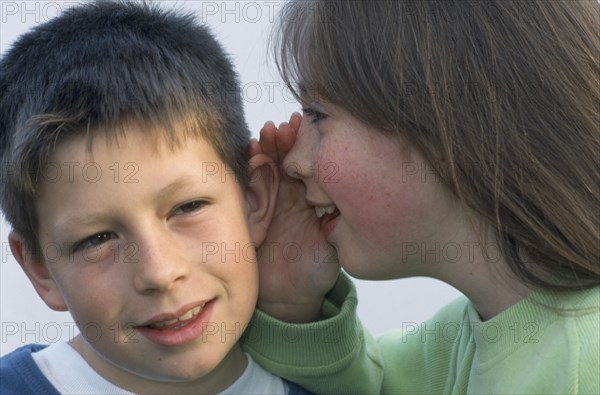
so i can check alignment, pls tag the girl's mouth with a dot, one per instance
(327, 210)
(327, 215)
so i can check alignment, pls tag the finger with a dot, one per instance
(254, 148)
(295, 121)
(285, 139)
(267, 140)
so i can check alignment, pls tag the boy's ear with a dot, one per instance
(37, 271)
(261, 196)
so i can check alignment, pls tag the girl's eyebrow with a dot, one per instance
(316, 105)
(302, 89)
(306, 96)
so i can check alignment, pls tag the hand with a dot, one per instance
(297, 266)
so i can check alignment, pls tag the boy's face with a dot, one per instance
(148, 236)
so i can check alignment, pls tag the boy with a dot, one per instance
(124, 176)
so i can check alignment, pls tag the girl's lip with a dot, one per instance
(177, 335)
(316, 203)
(328, 223)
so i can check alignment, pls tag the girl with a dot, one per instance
(451, 139)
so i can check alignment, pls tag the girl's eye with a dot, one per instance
(95, 240)
(190, 207)
(314, 114)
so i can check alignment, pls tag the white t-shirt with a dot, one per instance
(69, 373)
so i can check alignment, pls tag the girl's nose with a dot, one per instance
(298, 162)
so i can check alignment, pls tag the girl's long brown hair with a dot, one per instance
(501, 97)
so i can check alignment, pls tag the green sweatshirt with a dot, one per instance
(546, 343)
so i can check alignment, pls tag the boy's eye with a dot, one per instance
(95, 240)
(190, 207)
(314, 114)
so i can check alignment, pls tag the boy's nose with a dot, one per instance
(159, 267)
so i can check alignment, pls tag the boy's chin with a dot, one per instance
(201, 366)
(211, 373)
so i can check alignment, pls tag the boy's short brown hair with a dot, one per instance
(96, 68)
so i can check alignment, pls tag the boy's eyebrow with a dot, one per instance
(82, 220)
(173, 187)
(163, 194)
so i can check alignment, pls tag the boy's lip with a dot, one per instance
(179, 334)
(176, 314)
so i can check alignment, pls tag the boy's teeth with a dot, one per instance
(186, 316)
(321, 211)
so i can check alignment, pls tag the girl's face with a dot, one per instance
(393, 217)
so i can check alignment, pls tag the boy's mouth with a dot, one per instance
(179, 328)
(175, 321)
(178, 322)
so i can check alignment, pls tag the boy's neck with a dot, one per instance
(223, 376)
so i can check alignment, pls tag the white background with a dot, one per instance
(243, 28)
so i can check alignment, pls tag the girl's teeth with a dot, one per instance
(321, 211)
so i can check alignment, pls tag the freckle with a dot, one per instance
(370, 197)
